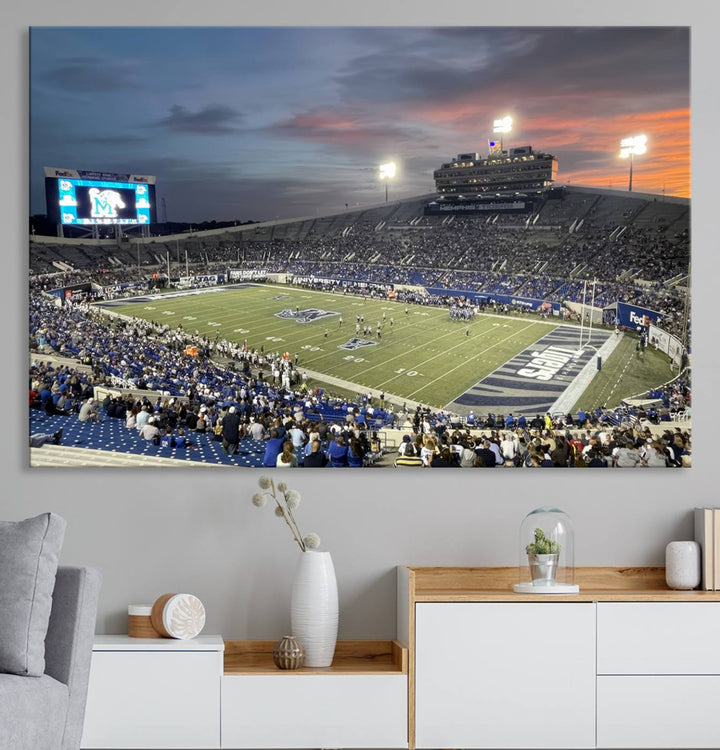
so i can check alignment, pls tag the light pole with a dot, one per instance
(502, 125)
(387, 172)
(629, 147)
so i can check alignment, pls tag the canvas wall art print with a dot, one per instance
(360, 247)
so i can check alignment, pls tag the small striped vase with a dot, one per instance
(288, 653)
(314, 607)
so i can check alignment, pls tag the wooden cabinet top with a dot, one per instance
(351, 657)
(597, 584)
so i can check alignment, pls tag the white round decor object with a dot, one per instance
(183, 616)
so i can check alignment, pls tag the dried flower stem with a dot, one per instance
(288, 517)
(296, 532)
(286, 500)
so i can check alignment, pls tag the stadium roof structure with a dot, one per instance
(510, 170)
(405, 209)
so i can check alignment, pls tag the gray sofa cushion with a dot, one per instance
(32, 712)
(29, 552)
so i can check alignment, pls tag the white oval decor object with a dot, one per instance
(314, 607)
(183, 616)
(682, 565)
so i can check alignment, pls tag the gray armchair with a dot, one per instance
(47, 712)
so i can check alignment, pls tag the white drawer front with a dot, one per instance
(310, 711)
(670, 711)
(502, 675)
(153, 700)
(658, 638)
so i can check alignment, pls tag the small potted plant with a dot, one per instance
(543, 555)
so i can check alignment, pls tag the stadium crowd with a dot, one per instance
(168, 394)
(639, 266)
(190, 384)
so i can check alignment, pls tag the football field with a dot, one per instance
(420, 355)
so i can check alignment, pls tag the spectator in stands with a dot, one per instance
(201, 424)
(167, 440)
(230, 427)
(560, 455)
(337, 452)
(403, 444)
(596, 460)
(142, 418)
(355, 453)
(429, 449)
(89, 411)
(656, 456)
(38, 439)
(467, 455)
(509, 447)
(131, 418)
(286, 458)
(150, 432)
(273, 447)
(299, 439)
(410, 458)
(487, 455)
(256, 429)
(626, 456)
(315, 458)
(494, 446)
(445, 458)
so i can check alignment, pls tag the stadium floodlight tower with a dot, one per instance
(502, 125)
(387, 172)
(631, 146)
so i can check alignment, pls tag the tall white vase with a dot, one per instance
(314, 607)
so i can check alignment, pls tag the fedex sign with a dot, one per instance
(638, 320)
(632, 316)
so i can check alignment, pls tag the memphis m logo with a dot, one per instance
(104, 203)
(305, 316)
(356, 343)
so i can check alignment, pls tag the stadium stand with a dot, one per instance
(636, 248)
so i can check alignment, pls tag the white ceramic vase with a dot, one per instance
(314, 607)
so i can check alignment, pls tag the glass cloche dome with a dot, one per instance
(546, 553)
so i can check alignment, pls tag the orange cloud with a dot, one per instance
(587, 146)
(664, 168)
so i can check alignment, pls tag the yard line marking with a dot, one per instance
(462, 364)
(404, 355)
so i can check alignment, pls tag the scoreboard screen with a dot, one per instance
(84, 199)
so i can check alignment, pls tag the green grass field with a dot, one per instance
(624, 375)
(424, 356)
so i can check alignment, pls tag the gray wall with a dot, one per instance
(154, 531)
(153, 534)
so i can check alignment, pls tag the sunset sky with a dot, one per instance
(265, 122)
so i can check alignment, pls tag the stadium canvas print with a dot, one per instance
(360, 247)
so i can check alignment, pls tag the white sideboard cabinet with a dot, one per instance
(205, 693)
(625, 663)
(154, 693)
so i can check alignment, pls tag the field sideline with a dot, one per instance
(423, 356)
